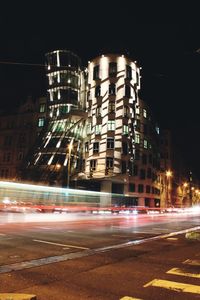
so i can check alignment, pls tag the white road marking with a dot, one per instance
(174, 286)
(62, 245)
(172, 239)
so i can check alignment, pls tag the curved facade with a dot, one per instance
(63, 70)
(113, 83)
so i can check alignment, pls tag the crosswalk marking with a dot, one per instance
(177, 271)
(174, 286)
(192, 262)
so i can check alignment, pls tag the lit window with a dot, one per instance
(110, 143)
(144, 113)
(86, 147)
(93, 164)
(111, 107)
(95, 147)
(137, 138)
(98, 129)
(109, 162)
(42, 107)
(125, 129)
(112, 89)
(157, 129)
(111, 125)
(40, 122)
(137, 110)
(145, 144)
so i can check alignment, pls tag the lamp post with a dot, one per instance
(69, 162)
(168, 187)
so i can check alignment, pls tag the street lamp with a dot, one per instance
(168, 187)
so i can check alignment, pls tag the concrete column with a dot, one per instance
(106, 187)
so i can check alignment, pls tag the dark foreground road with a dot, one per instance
(126, 257)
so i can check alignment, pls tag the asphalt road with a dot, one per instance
(66, 256)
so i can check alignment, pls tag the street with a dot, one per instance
(68, 256)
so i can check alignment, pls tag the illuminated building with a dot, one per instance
(57, 154)
(98, 134)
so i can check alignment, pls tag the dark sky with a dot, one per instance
(165, 51)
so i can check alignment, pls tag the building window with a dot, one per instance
(148, 189)
(137, 110)
(128, 72)
(135, 170)
(42, 108)
(149, 173)
(145, 144)
(98, 111)
(20, 156)
(127, 91)
(7, 157)
(109, 162)
(96, 73)
(111, 107)
(7, 141)
(137, 154)
(142, 174)
(88, 128)
(98, 129)
(110, 143)
(124, 148)
(4, 173)
(126, 111)
(41, 122)
(111, 125)
(95, 147)
(123, 167)
(157, 130)
(144, 159)
(130, 167)
(140, 188)
(132, 187)
(125, 129)
(93, 164)
(144, 113)
(97, 91)
(86, 147)
(112, 89)
(137, 138)
(112, 69)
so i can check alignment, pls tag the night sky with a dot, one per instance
(167, 53)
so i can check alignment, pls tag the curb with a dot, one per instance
(13, 296)
(194, 235)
